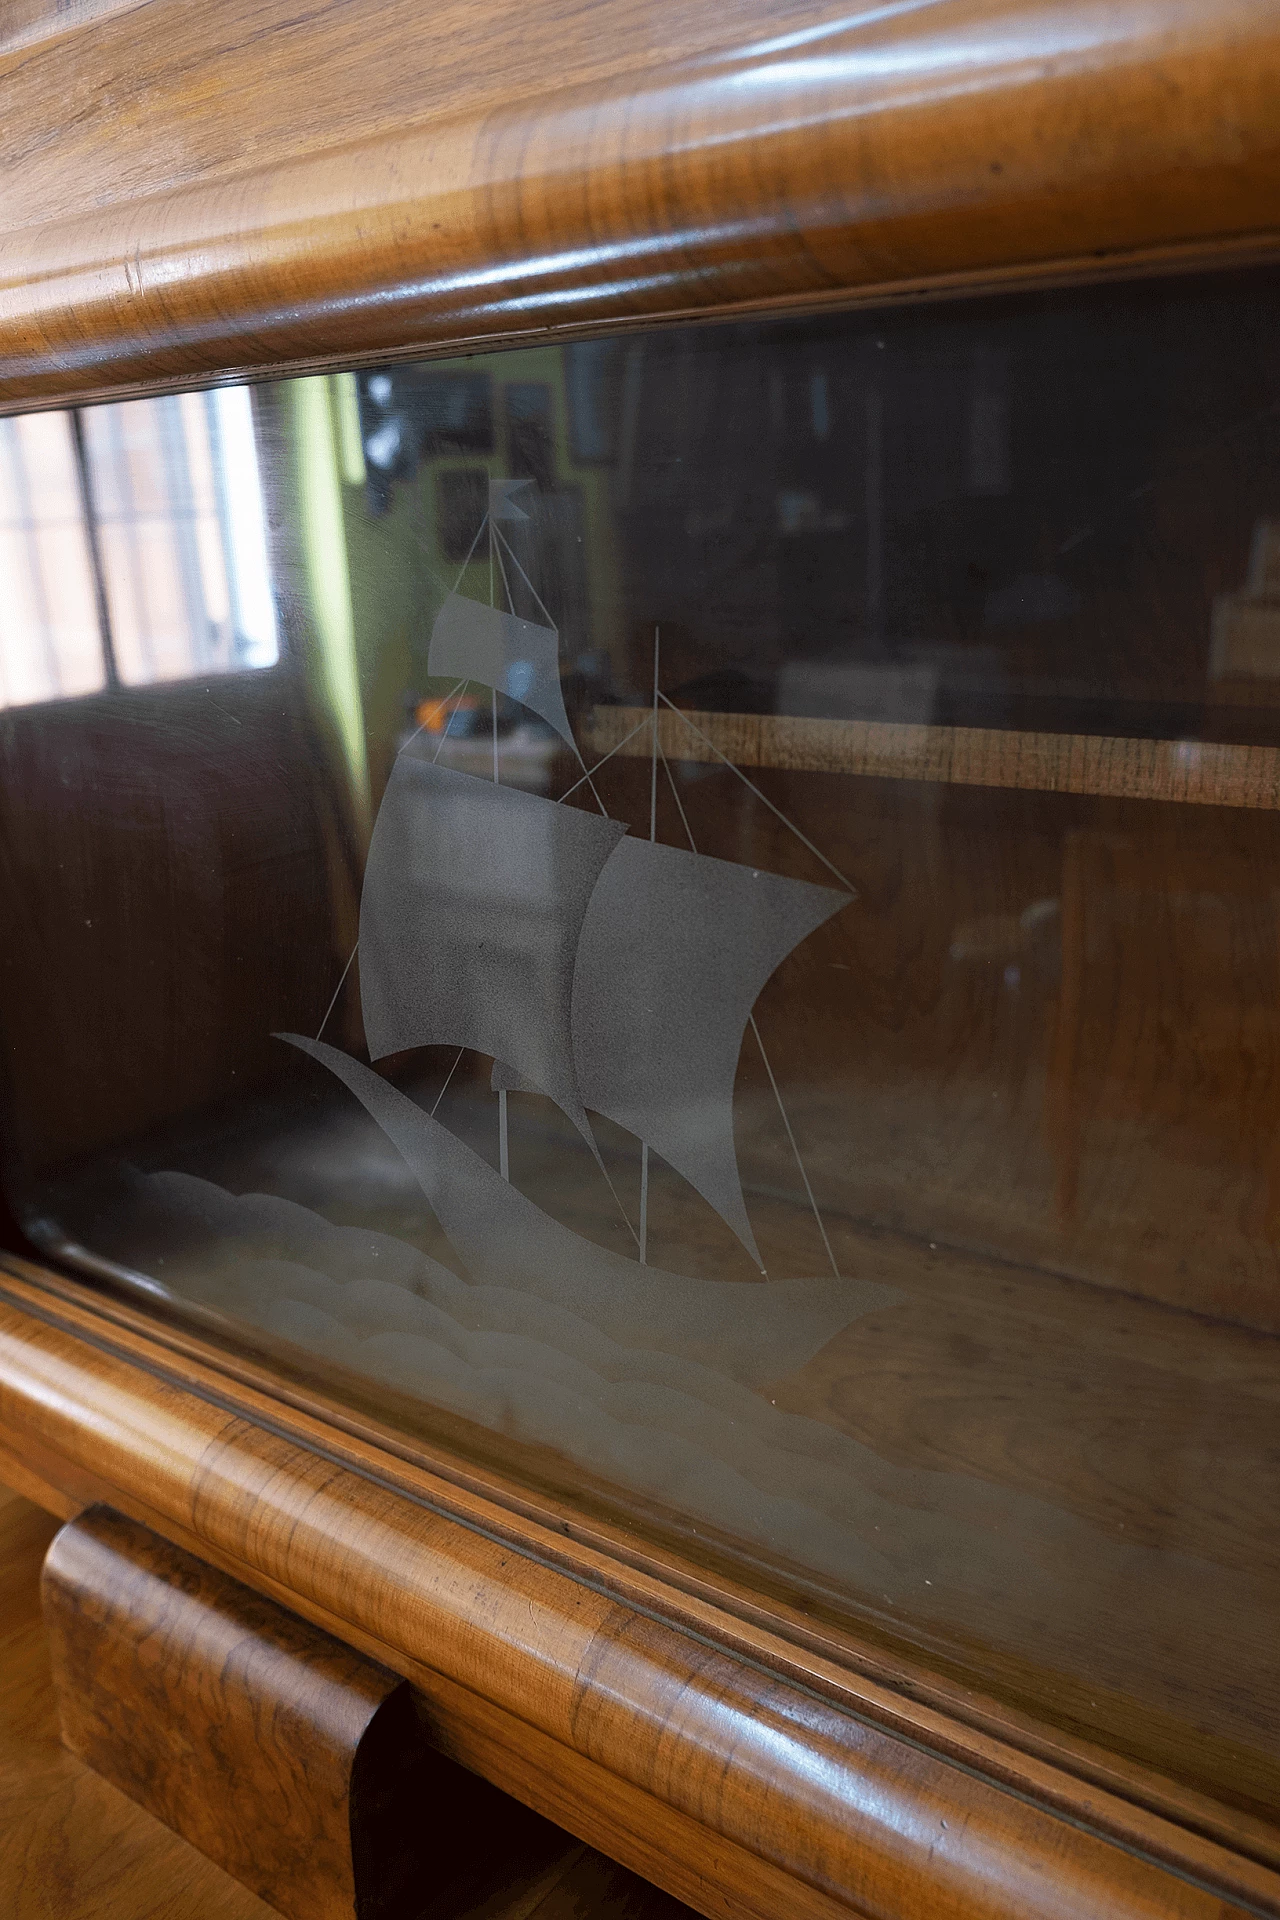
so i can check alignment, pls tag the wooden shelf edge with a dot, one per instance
(958, 139)
(1189, 772)
(664, 1725)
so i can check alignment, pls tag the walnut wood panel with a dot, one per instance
(296, 1764)
(186, 191)
(264, 836)
(1194, 772)
(729, 1765)
(71, 1846)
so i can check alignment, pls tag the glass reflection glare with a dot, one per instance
(177, 498)
(133, 547)
(50, 639)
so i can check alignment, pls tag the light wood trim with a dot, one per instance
(1196, 773)
(189, 191)
(776, 1795)
(887, 1682)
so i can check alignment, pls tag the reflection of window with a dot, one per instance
(408, 413)
(50, 635)
(457, 413)
(462, 501)
(164, 498)
(178, 503)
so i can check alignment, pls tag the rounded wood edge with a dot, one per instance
(865, 1801)
(962, 140)
(96, 384)
(903, 1692)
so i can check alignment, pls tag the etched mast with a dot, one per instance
(501, 651)
(653, 836)
(504, 1157)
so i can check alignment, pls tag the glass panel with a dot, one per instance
(731, 971)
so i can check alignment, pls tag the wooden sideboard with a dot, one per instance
(190, 195)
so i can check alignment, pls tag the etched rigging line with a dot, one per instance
(337, 990)
(515, 561)
(626, 1217)
(504, 542)
(470, 550)
(804, 839)
(607, 756)
(675, 795)
(448, 1077)
(463, 684)
(422, 729)
(794, 1147)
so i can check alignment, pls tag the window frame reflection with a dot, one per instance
(137, 546)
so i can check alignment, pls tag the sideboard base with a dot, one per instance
(296, 1764)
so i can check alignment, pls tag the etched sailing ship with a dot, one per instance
(613, 974)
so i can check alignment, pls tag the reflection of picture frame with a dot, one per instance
(462, 501)
(455, 410)
(593, 371)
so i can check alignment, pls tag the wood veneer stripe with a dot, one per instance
(1196, 773)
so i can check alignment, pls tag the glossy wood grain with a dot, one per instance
(294, 1763)
(897, 1390)
(186, 192)
(727, 1781)
(73, 1848)
(1194, 772)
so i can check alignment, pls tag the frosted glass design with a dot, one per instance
(516, 657)
(675, 949)
(473, 904)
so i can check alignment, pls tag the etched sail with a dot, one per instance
(470, 641)
(675, 948)
(751, 1333)
(474, 897)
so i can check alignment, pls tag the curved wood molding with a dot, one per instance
(630, 1716)
(190, 191)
